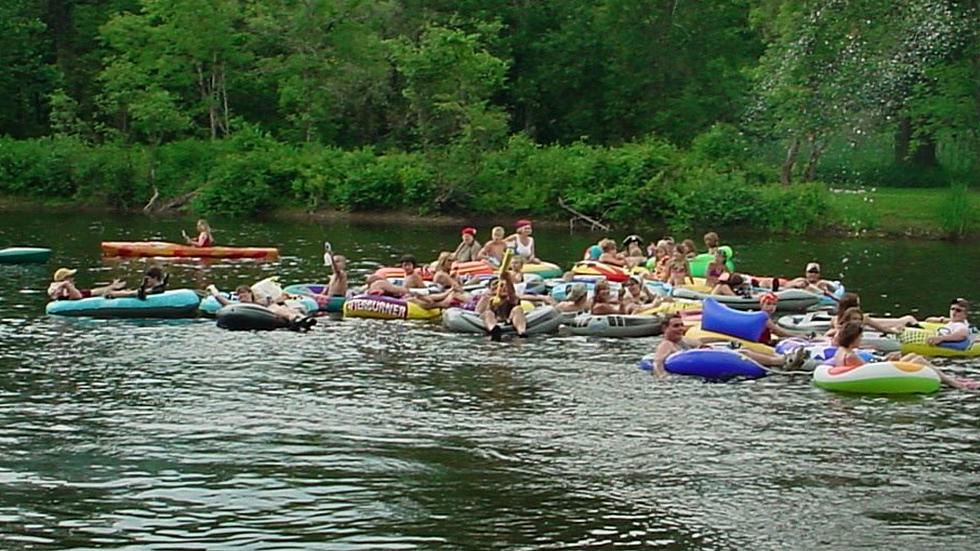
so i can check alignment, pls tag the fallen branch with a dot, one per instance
(153, 200)
(593, 223)
(179, 201)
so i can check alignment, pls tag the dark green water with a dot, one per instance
(391, 435)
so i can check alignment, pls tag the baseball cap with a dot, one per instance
(576, 292)
(813, 267)
(64, 273)
(469, 231)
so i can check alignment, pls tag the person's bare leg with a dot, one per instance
(489, 320)
(519, 320)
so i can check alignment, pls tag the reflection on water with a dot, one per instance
(361, 434)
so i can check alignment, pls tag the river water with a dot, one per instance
(389, 435)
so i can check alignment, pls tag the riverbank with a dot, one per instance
(903, 212)
(881, 212)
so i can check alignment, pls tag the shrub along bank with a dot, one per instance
(636, 184)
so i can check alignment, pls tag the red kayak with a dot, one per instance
(162, 248)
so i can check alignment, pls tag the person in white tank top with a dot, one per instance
(522, 242)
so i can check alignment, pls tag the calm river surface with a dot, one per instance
(387, 435)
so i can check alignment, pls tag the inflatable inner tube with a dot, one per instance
(709, 364)
(615, 325)
(386, 308)
(249, 317)
(179, 303)
(545, 319)
(719, 318)
(878, 378)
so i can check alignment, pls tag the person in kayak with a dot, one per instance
(469, 248)
(203, 239)
(154, 283)
(63, 286)
(297, 319)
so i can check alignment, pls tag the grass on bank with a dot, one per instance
(907, 211)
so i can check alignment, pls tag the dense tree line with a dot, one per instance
(801, 86)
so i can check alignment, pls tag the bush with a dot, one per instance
(955, 215)
(254, 175)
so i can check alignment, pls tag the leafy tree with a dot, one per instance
(843, 66)
(186, 48)
(326, 61)
(449, 79)
(26, 73)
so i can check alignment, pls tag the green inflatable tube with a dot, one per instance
(699, 264)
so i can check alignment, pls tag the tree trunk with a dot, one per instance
(816, 150)
(920, 152)
(903, 139)
(786, 173)
(925, 152)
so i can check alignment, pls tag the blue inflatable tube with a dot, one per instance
(713, 364)
(718, 318)
(179, 303)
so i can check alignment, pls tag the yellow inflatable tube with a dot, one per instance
(914, 342)
(696, 332)
(387, 308)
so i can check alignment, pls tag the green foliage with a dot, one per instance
(254, 175)
(955, 215)
(449, 77)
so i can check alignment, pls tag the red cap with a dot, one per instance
(521, 223)
(469, 231)
(768, 297)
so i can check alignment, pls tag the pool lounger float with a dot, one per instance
(179, 303)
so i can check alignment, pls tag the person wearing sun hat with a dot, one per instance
(576, 301)
(469, 249)
(63, 286)
(522, 242)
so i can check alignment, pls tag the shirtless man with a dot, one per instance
(674, 341)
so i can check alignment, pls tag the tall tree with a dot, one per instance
(326, 61)
(186, 48)
(27, 74)
(843, 66)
